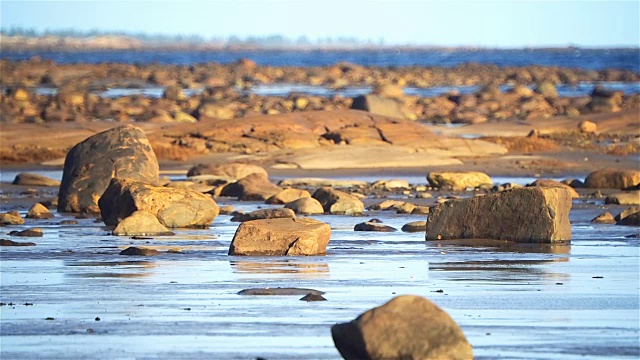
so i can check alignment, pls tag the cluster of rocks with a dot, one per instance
(533, 93)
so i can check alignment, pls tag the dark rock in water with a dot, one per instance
(251, 187)
(39, 211)
(68, 222)
(31, 179)
(279, 237)
(407, 327)
(378, 105)
(137, 251)
(174, 207)
(313, 297)
(369, 226)
(612, 179)
(11, 218)
(604, 218)
(34, 232)
(123, 151)
(280, 213)
(5, 242)
(629, 217)
(279, 291)
(415, 226)
(528, 215)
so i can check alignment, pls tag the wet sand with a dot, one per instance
(511, 300)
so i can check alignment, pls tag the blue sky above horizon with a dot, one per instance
(522, 23)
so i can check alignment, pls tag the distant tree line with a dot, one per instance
(267, 40)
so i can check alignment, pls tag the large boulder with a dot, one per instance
(32, 179)
(305, 206)
(301, 236)
(407, 327)
(338, 202)
(612, 179)
(174, 208)
(230, 170)
(141, 223)
(123, 151)
(252, 187)
(378, 105)
(458, 180)
(630, 217)
(529, 215)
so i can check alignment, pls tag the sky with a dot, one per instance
(484, 23)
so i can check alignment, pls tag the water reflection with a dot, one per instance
(300, 269)
(113, 269)
(507, 246)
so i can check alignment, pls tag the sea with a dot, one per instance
(589, 59)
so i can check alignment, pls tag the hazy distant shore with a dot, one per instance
(117, 42)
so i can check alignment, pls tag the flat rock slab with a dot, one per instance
(300, 236)
(530, 215)
(279, 291)
(5, 242)
(31, 179)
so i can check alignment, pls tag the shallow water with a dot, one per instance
(514, 301)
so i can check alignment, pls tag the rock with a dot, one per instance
(338, 202)
(281, 213)
(407, 327)
(138, 251)
(319, 182)
(39, 211)
(629, 217)
(415, 226)
(174, 93)
(68, 222)
(122, 151)
(553, 183)
(31, 179)
(406, 208)
(252, 187)
(279, 291)
(313, 297)
(458, 180)
(625, 198)
(528, 215)
(612, 179)
(5, 242)
(587, 127)
(11, 218)
(183, 117)
(231, 170)
(141, 223)
(371, 226)
(226, 210)
(280, 237)
(547, 89)
(389, 91)
(378, 105)
(386, 205)
(391, 184)
(174, 208)
(287, 196)
(604, 218)
(33, 232)
(420, 210)
(305, 206)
